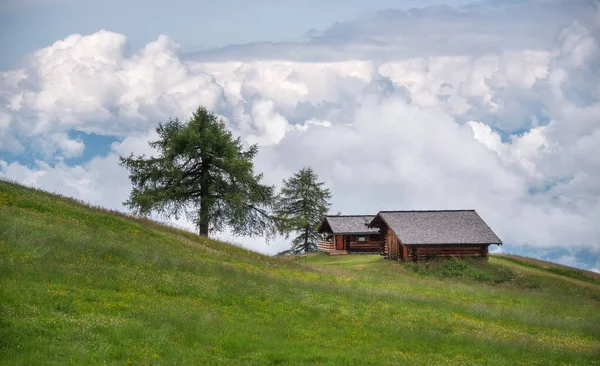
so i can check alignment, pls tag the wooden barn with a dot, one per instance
(419, 235)
(349, 234)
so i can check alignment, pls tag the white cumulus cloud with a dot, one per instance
(510, 130)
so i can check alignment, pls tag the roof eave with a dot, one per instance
(323, 223)
(375, 218)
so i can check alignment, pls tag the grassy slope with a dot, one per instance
(79, 285)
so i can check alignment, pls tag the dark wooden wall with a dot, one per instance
(393, 248)
(372, 244)
(392, 245)
(384, 232)
(424, 252)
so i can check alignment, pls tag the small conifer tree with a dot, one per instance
(301, 207)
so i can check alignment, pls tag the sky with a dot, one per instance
(397, 105)
(192, 24)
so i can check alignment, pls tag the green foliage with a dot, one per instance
(302, 205)
(468, 268)
(86, 286)
(203, 172)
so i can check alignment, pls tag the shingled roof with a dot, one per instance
(437, 227)
(350, 224)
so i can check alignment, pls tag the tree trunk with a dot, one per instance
(204, 219)
(306, 239)
(203, 226)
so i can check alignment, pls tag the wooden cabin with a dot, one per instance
(349, 234)
(420, 235)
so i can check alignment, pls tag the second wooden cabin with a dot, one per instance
(419, 235)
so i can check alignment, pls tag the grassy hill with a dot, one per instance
(80, 285)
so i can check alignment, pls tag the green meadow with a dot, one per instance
(81, 285)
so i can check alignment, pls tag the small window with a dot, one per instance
(361, 238)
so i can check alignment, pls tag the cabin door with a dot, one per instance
(339, 242)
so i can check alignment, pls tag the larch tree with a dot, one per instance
(201, 171)
(302, 204)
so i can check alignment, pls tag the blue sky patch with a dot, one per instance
(95, 145)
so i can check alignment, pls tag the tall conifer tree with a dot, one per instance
(203, 172)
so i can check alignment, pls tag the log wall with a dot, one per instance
(425, 252)
(372, 244)
(393, 245)
(384, 235)
(384, 246)
(392, 248)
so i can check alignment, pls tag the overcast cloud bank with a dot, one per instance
(493, 107)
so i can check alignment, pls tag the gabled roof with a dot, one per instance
(349, 224)
(437, 227)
